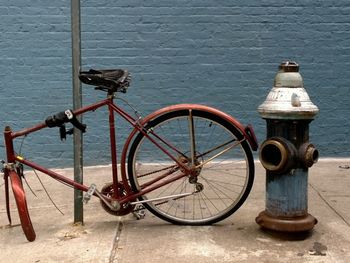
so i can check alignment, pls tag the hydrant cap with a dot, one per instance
(289, 66)
(288, 99)
(288, 75)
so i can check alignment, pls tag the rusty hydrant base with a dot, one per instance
(283, 224)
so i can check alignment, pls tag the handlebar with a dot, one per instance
(59, 120)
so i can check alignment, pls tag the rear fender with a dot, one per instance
(246, 131)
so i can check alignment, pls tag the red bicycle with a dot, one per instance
(187, 164)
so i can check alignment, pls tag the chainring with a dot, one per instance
(109, 191)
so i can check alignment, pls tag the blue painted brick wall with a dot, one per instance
(220, 53)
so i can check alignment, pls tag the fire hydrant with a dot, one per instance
(286, 154)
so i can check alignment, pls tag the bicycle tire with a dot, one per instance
(142, 154)
(22, 207)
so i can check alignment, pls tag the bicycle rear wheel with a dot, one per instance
(224, 174)
(22, 207)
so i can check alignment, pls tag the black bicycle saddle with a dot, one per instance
(110, 80)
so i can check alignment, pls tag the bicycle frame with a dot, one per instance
(139, 126)
(12, 157)
(122, 193)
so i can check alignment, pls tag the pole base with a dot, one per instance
(286, 224)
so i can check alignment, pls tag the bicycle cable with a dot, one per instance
(136, 112)
(22, 173)
(43, 186)
(22, 142)
(47, 193)
(25, 179)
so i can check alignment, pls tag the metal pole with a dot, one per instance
(77, 103)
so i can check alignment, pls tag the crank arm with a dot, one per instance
(114, 205)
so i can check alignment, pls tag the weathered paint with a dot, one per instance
(286, 153)
(286, 194)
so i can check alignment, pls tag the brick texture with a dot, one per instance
(220, 53)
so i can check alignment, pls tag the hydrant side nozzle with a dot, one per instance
(277, 155)
(308, 154)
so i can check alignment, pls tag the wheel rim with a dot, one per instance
(226, 180)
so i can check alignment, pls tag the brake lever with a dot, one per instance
(77, 124)
(74, 121)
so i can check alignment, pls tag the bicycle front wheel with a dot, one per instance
(208, 144)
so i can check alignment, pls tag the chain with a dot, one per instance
(166, 168)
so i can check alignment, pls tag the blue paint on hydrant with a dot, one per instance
(286, 154)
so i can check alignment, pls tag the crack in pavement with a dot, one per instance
(116, 241)
(329, 205)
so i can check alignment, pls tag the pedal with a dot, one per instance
(139, 212)
(89, 193)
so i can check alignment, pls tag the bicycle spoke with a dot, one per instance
(223, 184)
(216, 148)
(207, 200)
(214, 189)
(192, 138)
(173, 201)
(168, 144)
(168, 187)
(218, 154)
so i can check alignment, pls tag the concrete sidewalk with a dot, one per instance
(105, 238)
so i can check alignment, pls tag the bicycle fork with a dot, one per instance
(7, 197)
(7, 166)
